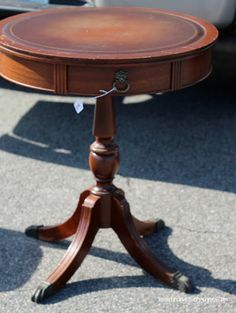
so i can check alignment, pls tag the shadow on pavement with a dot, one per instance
(21, 255)
(187, 137)
(158, 243)
(19, 258)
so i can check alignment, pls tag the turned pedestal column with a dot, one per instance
(103, 206)
(80, 51)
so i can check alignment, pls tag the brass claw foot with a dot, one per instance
(160, 224)
(182, 283)
(43, 291)
(33, 231)
(146, 228)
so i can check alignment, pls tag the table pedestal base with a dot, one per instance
(93, 212)
(103, 206)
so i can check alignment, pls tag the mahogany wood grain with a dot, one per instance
(84, 50)
(60, 231)
(78, 51)
(123, 225)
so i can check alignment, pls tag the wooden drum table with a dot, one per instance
(124, 51)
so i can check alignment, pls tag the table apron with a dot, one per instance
(88, 79)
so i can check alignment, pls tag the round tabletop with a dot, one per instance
(94, 37)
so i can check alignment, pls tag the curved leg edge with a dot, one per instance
(181, 282)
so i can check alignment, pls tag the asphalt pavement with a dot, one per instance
(178, 163)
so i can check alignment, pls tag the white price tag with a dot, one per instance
(79, 106)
